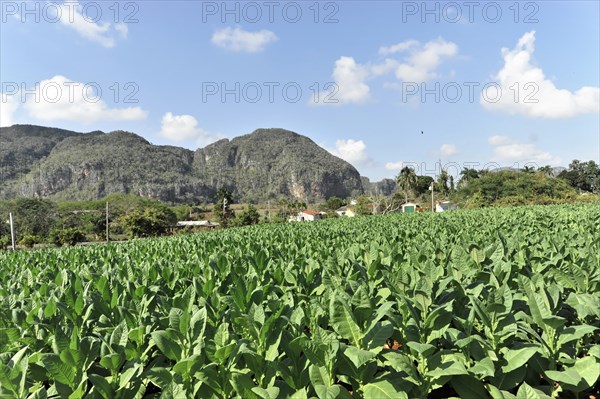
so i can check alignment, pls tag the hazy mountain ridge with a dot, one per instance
(37, 161)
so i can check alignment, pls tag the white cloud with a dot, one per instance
(396, 48)
(537, 95)
(70, 15)
(350, 86)
(499, 140)
(508, 150)
(353, 151)
(387, 66)
(240, 40)
(123, 29)
(60, 98)
(8, 106)
(447, 150)
(394, 165)
(179, 128)
(419, 65)
(423, 61)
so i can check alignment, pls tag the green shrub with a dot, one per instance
(69, 236)
(29, 241)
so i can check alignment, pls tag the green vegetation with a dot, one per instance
(266, 164)
(151, 222)
(68, 236)
(489, 303)
(516, 188)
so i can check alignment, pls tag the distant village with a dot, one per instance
(308, 215)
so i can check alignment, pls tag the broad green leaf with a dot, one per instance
(167, 345)
(102, 386)
(468, 387)
(342, 321)
(527, 392)
(383, 389)
(516, 358)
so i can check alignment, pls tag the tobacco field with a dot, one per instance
(494, 303)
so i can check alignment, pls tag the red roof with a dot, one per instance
(313, 213)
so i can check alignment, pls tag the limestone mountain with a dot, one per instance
(37, 161)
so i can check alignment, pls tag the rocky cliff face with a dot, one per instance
(268, 163)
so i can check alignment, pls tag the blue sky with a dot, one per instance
(488, 83)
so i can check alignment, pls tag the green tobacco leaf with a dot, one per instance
(188, 366)
(574, 333)
(327, 392)
(583, 375)
(301, 394)
(167, 346)
(70, 357)
(483, 368)
(589, 369)
(173, 391)
(446, 369)
(318, 375)
(118, 338)
(585, 304)
(383, 389)
(102, 386)
(112, 361)
(527, 392)
(269, 393)
(422, 349)
(468, 387)
(160, 376)
(403, 364)
(378, 335)
(60, 371)
(495, 393)
(516, 358)
(570, 377)
(358, 357)
(343, 322)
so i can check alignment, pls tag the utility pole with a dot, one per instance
(432, 206)
(12, 231)
(107, 238)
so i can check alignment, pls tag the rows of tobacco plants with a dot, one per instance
(498, 303)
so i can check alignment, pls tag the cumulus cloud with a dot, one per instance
(422, 61)
(447, 150)
(511, 151)
(70, 15)
(8, 106)
(419, 64)
(179, 128)
(499, 140)
(353, 151)
(239, 40)
(538, 96)
(60, 98)
(396, 48)
(394, 166)
(350, 86)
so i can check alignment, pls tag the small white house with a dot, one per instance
(199, 223)
(409, 207)
(306, 216)
(445, 206)
(345, 211)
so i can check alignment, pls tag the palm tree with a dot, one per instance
(546, 170)
(443, 182)
(467, 175)
(407, 179)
